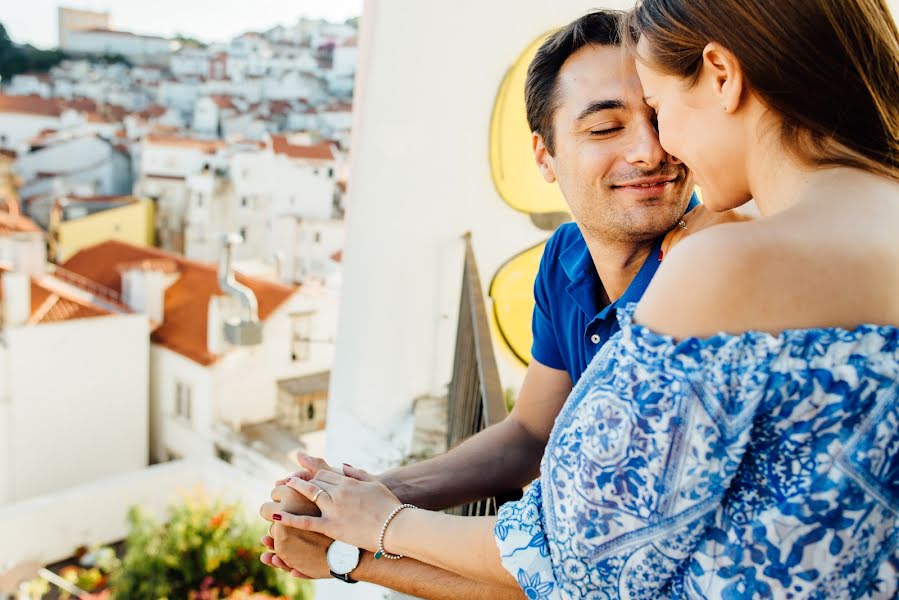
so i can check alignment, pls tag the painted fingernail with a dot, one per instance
(277, 516)
(348, 465)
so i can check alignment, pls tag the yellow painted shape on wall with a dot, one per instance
(133, 224)
(512, 292)
(515, 175)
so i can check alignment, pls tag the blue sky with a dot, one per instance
(34, 21)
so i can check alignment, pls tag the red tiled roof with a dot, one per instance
(30, 105)
(51, 305)
(223, 102)
(186, 301)
(207, 146)
(322, 151)
(338, 107)
(154, 111)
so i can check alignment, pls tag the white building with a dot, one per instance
(23, 117)
(204, 390)
(308, 249)
(294, 84)
(290, 177)
(345, 57)
(87, 163)
(27, 84)
(73, 380)
(190, 61)
(109, 41)
(166, 163)
(335, 118)
(73, 19)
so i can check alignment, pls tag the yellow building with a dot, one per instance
(81, 222)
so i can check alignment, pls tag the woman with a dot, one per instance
(740, 436)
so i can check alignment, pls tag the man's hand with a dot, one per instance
(297, 552)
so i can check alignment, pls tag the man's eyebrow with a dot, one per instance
(595, 107)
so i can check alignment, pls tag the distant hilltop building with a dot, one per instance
(73, 19)
(85, 32)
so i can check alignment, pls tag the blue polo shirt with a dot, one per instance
(570, 323)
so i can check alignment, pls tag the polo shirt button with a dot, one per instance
(595, 338)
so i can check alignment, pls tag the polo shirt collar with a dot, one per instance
(585, 286)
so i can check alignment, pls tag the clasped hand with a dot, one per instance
(353, 506)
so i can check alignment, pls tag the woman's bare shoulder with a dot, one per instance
(771, 275)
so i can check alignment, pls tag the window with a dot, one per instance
(331, 172)
(244, 201)
(223, 454)
(318, 237)
(243, 233)
(310, 411)
(183, 400)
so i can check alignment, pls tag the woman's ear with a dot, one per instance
(722, 70)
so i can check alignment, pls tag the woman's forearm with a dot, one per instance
(463, 545)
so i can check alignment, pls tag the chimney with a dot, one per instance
(143, 290)
(244, 329)
(16, 299)
(29, 253)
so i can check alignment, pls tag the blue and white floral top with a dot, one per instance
(737, 466)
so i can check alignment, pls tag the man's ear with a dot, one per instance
(543, 158)
(724, 72)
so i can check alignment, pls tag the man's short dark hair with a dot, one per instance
(601, 28)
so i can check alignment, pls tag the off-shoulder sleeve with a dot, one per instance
(639, 459)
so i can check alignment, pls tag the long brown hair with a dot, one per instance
(829, 68)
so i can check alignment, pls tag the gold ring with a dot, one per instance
(317, 494)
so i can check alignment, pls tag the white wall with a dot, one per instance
(291, 187)
(245, 388)
(64, 157)
(78, 401)
(5, 428)
(49, 528)
(172, 160)
(19, 128)
(93, 42)
(413, 196)
(189, 439)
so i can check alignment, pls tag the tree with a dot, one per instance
(16, 59)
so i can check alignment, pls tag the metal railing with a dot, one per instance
(475, 395)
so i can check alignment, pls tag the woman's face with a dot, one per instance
(695, 127)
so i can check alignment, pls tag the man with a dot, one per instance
(594, 135)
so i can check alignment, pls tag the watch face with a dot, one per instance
(342, 558)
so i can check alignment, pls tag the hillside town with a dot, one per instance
(192, 195)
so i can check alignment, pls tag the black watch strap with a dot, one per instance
(345, 577)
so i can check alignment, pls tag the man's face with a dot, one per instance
(618, 181)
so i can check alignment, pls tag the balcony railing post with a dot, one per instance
(475, 396)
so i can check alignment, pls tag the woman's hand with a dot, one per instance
(353, 506)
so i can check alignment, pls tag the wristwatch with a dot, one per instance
(342, 559)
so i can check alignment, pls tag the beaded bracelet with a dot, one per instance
(384, 553)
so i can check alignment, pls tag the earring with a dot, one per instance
(724, 108)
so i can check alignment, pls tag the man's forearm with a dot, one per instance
(425, 581)
(499, 460)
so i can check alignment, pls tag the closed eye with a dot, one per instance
(602, 132)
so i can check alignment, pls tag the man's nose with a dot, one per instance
(645, 149)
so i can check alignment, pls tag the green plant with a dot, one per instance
(205, 550)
